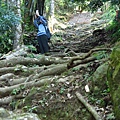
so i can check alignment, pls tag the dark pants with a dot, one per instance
(43, 43)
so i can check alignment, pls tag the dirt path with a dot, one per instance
(81, 18)
(79, 37)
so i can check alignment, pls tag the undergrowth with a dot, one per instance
(114, 29)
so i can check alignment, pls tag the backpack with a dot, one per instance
(48, 32)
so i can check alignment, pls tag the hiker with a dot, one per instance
(40, 23)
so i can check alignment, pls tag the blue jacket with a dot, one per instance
(40, 27)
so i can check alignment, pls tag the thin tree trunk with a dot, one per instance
(40, 6)
(18, 40)
(88, 106)
(51, 18)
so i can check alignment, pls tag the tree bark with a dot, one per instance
(51, 17)
(40, 6)
(36, 83)
(18, 40)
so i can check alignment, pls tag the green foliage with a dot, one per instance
(101, 54)
(43, 101)
(91, 5)
(30, 108)
(115, 2)
(64, 6)
(18, 90)
(15, 91)
(94, 5)
(110, 116)
(92, 99)
(115, 61)
(109, 13)
(114, 29)
(63, 9)
(8, 20)
(97, 4)
(62, 90)
(28, 27)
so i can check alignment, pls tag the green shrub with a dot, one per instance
(114, 29)
(8, 20)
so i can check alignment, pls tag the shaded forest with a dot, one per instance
(78, 79)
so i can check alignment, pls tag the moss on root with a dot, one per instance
(114, 80)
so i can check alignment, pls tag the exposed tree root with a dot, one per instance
(30, 61)
(24, 72)
(6, 100)
(85, 56)
(36, 83)
(6, 76)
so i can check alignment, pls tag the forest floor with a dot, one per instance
(58, 100)
(80, 36)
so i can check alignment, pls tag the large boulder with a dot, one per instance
(114, 79)
(99, 78)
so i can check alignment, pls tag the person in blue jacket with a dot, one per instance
(40, 23)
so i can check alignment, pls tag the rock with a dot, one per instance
(24, 116)
(114, 80)
(9, 115)
(4, 113)
(99, 78)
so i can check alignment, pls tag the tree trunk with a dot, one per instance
(18, 40)
(51, 18)
(40, 6)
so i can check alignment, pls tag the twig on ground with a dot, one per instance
(88, 106)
